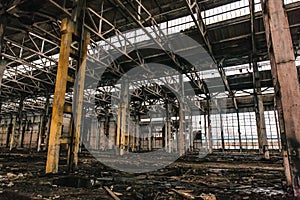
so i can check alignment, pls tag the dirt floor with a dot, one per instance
(217, 176)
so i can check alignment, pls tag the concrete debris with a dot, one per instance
(10, 184)
(11, 176)
(208, 197)
(208, 179)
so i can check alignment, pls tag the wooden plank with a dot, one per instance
(111, 193)
(184, 194)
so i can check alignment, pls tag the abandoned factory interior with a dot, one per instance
(149, 99)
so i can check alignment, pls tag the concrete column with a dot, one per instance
(208, 124)
(239, 129)
(112, 134)
(9, 132)
(102, 135)
(94, 134)
(118, 137)
(97, 133)
(19, 133)
(5, 130)
(259, 113)
(277, 127)
(286, 83)
(191, 138)
(44, 120)
(39, 142)
(181, 130)
(12, 135)
(67, 28)
(137, 134)
(181, 115)
(23, 130)
(284, 144)
(169, 140)
(47, 132)
(124, 115)
(31, 131)
(128, 131)
(78, 94)
(154, 145)
(205, 130)
(165, 136)
(222, 131)
(70, 143)
(133, 133)
(149, 138)
(263, 131)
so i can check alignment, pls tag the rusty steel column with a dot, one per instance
(67, 28)
(286, 84)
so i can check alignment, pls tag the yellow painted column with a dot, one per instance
(67, 28)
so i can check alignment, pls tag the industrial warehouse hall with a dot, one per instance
(149, 99)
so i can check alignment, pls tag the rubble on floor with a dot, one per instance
(217, 176)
